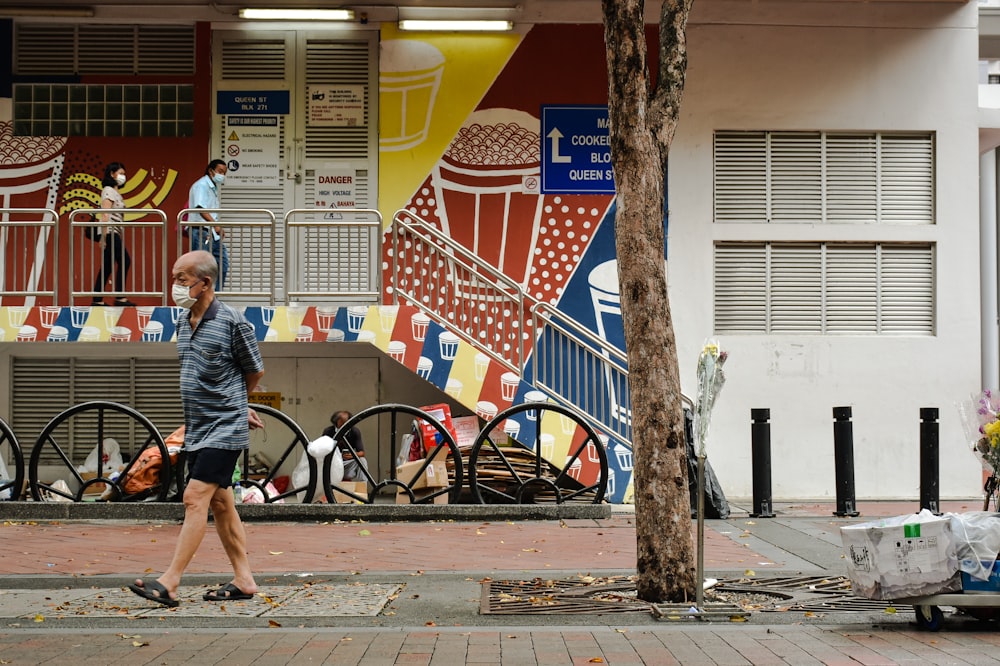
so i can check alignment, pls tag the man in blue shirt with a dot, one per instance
(205, 194)
(220, 364)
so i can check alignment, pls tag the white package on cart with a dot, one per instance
(903, 556)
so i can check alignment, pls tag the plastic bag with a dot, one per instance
(4, 494)
(319, 448)
(977, 539)
(112, 458)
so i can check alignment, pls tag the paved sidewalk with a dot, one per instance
(415, 593)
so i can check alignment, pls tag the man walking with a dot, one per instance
(220, 365)
(204, 193)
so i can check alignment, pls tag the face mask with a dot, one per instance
(182, 296)
(219, 178)
(120, 180)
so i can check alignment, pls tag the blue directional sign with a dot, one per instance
(576, 150)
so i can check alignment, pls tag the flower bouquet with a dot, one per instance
(981, 419)
(710, 381)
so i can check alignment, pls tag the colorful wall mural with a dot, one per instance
(460, 146)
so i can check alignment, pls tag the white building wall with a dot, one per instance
(834, 66)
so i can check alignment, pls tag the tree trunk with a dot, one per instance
(641, 129)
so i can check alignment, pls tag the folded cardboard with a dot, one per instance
(403, 497)
(902, 557)
(434, 476)
(359, 488)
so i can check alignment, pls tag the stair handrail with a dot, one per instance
(458, 255)
(611, 359)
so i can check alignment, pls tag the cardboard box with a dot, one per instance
(404, 497)
(94, 488)
(435, 476)
(902, 557)
(359, 488)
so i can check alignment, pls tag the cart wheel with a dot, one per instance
(929, 618)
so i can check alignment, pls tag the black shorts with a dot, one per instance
(213, 465)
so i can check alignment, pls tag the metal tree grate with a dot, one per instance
(616, 594)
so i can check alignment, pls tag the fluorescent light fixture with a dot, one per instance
(297, 14)
(456, 26)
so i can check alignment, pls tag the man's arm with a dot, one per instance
(252, 379)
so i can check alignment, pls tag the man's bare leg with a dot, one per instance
(234, 538)
(197, 497)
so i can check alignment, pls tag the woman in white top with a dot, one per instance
(112, 236)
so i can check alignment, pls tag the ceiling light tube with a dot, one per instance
(297, 14)
(456, 26)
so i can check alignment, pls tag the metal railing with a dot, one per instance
(469, 297)
(249, 259)
(333, 255)
(579, 369)
(129, 262)
(26, 243)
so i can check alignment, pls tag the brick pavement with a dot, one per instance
(91, 548)
(80, 549)
(518, 646)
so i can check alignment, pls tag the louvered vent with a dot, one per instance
(332, 64)
(253, 60)
(52, 49)
(817, 177)
(45, 387)
(824, 288)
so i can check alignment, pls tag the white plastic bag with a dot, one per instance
(112, 458)
(319, 449)
(4, 494)
(977, 537)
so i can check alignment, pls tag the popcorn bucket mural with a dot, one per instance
(487, 188)
(409, 78)
(30, 171)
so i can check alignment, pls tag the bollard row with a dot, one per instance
(843, 453)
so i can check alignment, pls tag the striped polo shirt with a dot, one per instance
(214, 359)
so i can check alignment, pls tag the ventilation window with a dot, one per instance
(824, 288)
(43, 109)
(824, 178)
(49, 49)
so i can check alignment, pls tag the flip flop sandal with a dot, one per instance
(227, 592)
(154, 591)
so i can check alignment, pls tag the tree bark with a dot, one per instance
(641, 128)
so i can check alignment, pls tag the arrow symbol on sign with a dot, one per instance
(555, 135)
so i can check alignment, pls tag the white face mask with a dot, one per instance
(182, 296)
(219, 178)
(120, 179)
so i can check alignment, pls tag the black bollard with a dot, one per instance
(843, 455)
(930, 490)
(760, 442)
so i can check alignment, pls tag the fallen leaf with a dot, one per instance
(890, 610)
(140, 643)
(430, 623)
(272, 623)
(39, 618)
(595, 660)
(749, 572)
(364, 533)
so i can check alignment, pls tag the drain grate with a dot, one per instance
(616, 594)
(572, 595)
(827, 594)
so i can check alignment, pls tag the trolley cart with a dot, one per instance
(980, 605)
